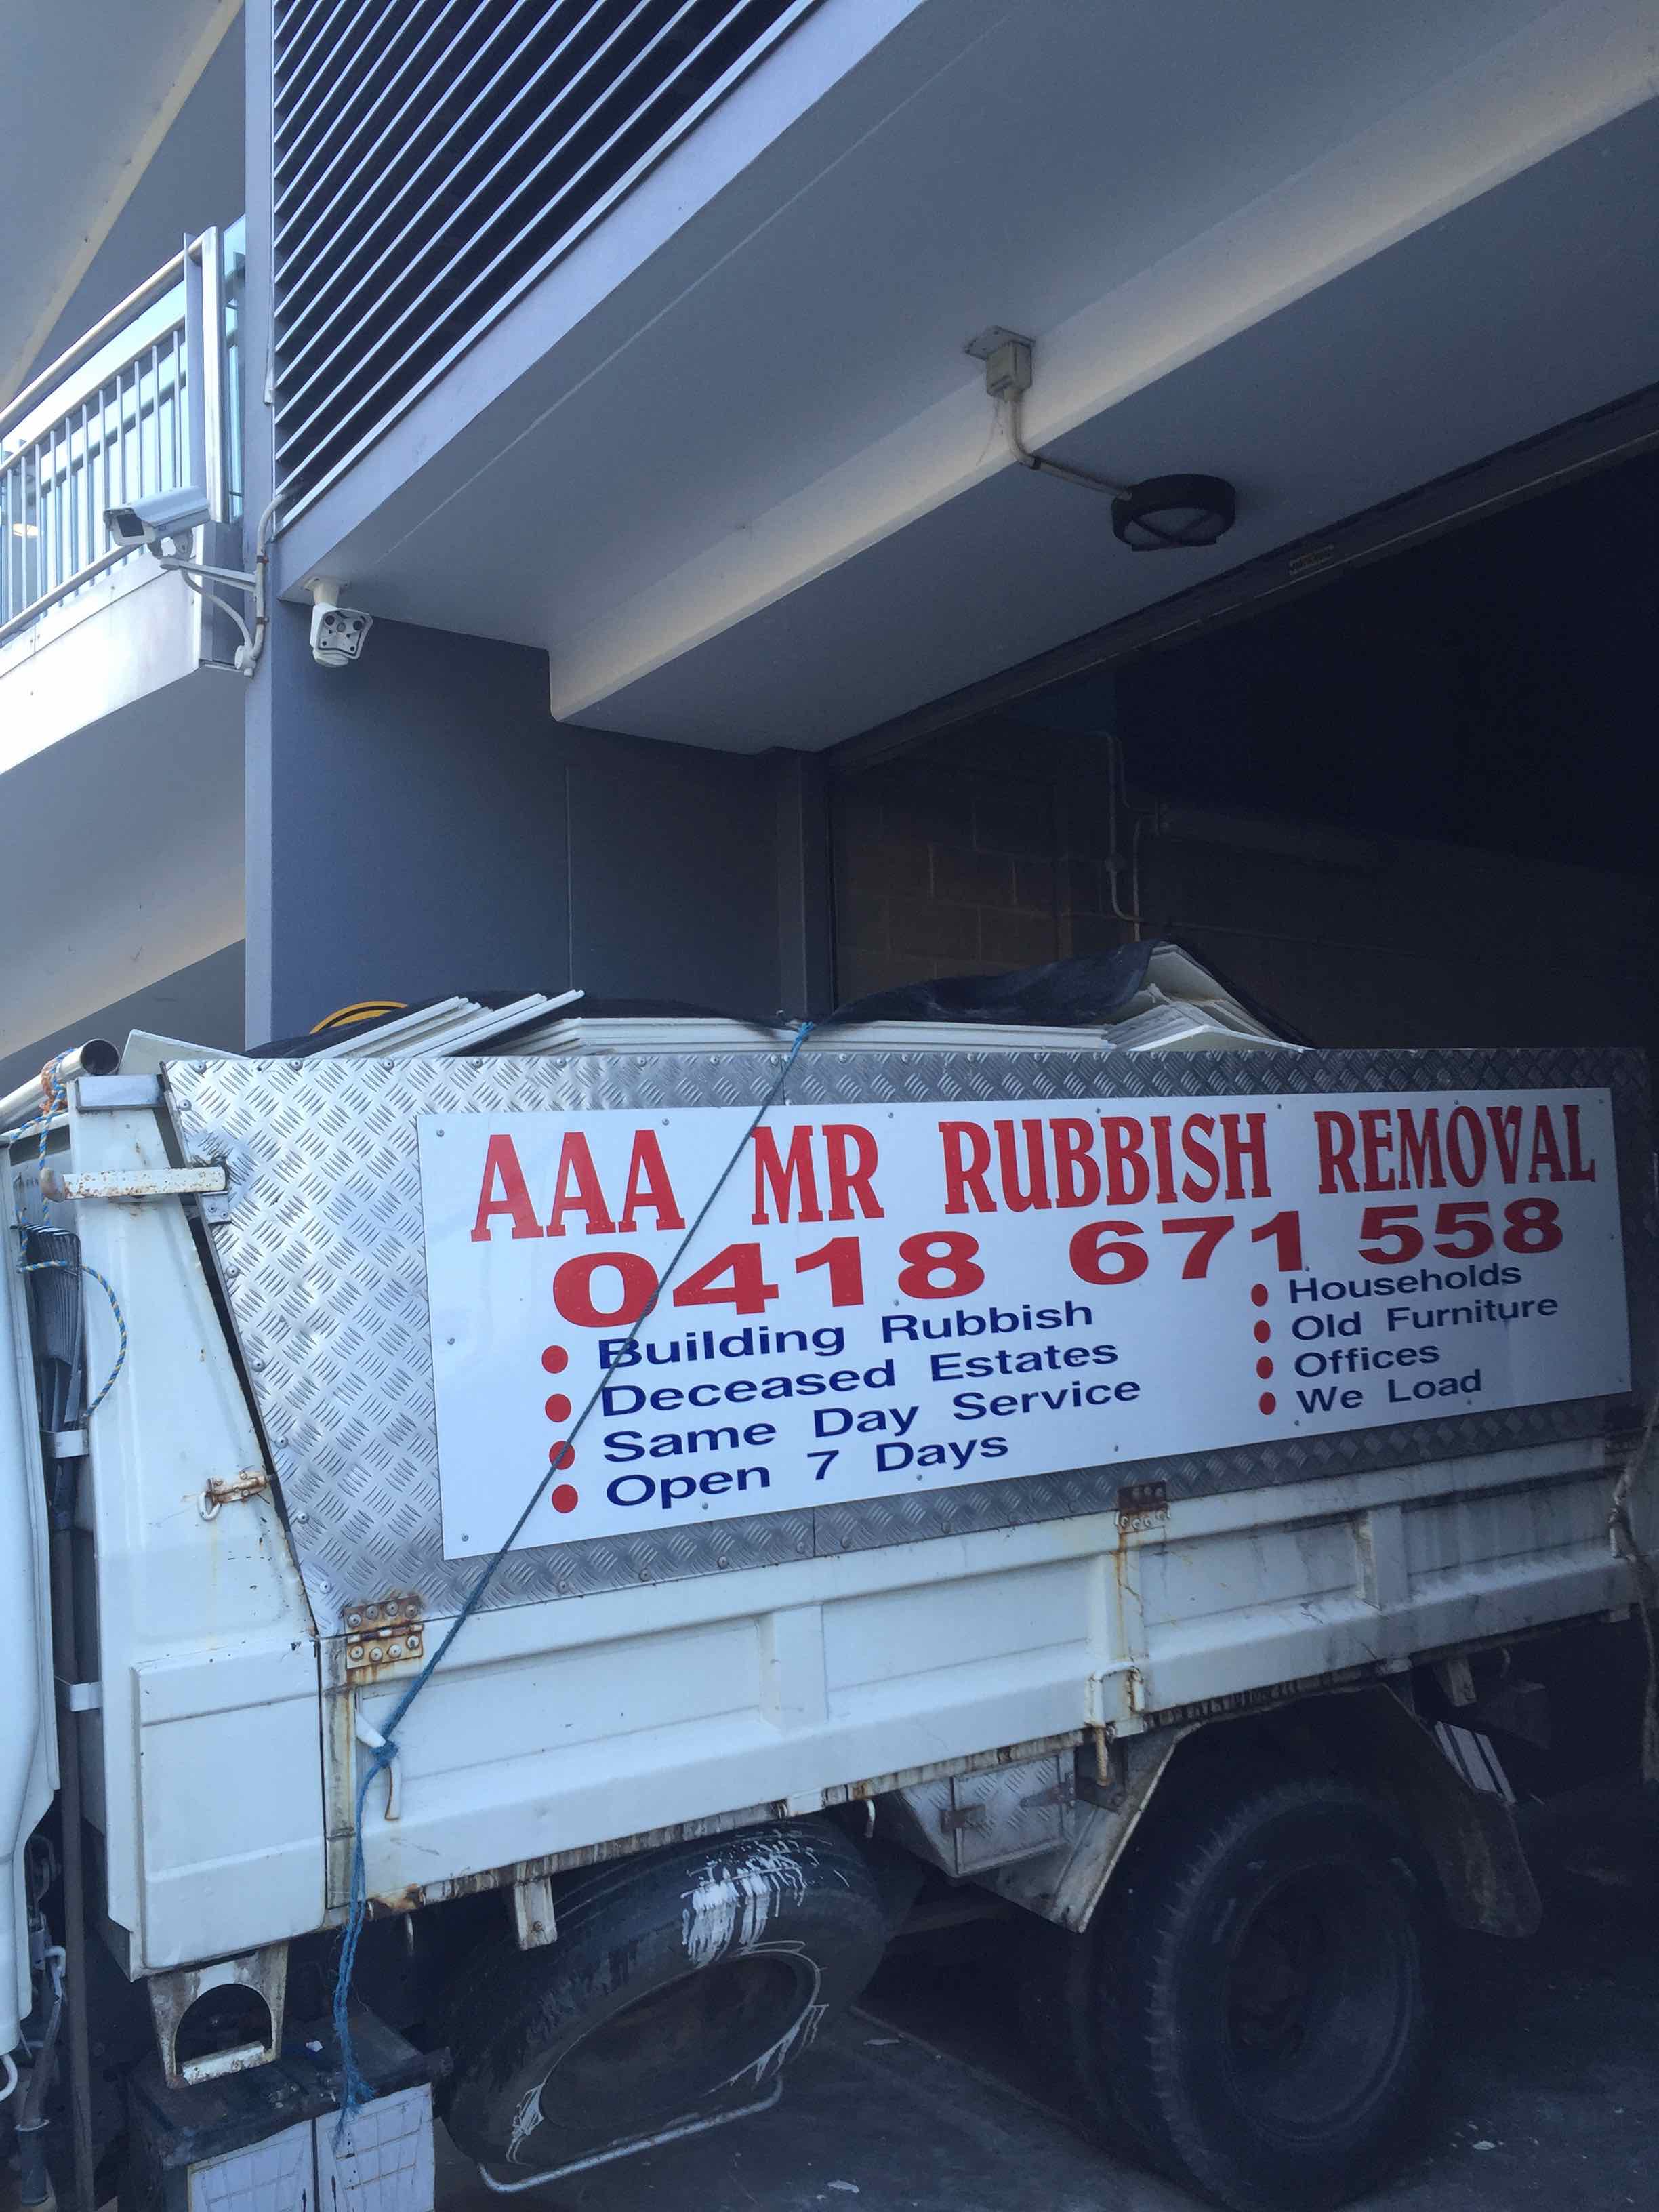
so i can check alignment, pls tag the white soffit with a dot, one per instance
(127, 861)
(93, 85)
(738, 478)
(1575, 71)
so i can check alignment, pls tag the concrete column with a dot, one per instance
(412, 827)
(418, 824)
(673, 872)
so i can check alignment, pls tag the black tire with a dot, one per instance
(1058, 1978)
(1258, 2021)
(680, 1984)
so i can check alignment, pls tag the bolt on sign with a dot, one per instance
(890, 1297)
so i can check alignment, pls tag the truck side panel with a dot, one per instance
(552, 1728)
(1249, 1601)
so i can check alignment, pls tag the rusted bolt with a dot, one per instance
(396, 1650)
(376, 1652)
(354, 1653)
(373, 1611)
(353, 1620)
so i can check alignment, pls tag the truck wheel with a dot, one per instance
(1260, 1999)
(1056, 2001)
(679, 1985)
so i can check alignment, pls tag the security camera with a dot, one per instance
(165, 518)
(337, 634)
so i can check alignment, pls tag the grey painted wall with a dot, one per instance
(673, 877)
(419, 825)
(202, 1003)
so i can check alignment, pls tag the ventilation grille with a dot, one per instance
(433, 156)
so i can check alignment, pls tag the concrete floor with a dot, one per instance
(1547, 2094)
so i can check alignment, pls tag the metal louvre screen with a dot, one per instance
(431, 157)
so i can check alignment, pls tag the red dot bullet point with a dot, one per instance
(558, 1408)
(563, 1454)
(1266, 1401)
(556, 1359)
(1262, 1332)
(563, 1498)
(1258, 1294)
(1264, 1368)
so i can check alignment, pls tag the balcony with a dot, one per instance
(148, 401)
(120, 718)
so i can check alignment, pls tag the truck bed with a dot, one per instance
(632, 1688)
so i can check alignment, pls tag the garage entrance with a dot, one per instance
(1401, 806)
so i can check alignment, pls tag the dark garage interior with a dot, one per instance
(1402, 806)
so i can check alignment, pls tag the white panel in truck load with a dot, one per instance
(895, 1296)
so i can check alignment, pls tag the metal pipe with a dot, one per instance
(1084, 478)
(66, 1665)
(97, 1056)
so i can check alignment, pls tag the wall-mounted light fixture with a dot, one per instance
(1163, 514)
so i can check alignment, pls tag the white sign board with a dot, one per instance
(886, 1298)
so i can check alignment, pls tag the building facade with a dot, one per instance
(664, 381)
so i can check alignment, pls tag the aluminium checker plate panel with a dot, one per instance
(321, 1260)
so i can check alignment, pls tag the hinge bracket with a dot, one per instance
(383, 1631)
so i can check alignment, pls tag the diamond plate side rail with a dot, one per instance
(320, 1255)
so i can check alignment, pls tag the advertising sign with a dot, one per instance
(888, 1296)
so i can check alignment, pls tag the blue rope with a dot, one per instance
(80, 1267)
(353, 2089)
(52, 1103)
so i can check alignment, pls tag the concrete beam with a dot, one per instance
(1575, 69)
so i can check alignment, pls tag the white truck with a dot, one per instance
(1152, 1490)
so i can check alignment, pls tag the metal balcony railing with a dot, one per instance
(148, 401)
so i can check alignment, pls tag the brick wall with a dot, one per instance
(972, 857)
(986, 851)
